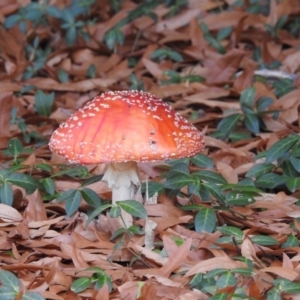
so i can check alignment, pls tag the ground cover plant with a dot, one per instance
(225, 223)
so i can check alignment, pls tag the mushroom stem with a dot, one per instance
(122, 178)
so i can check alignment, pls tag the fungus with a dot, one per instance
(122, 128)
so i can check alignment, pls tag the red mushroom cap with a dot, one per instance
(126, 126)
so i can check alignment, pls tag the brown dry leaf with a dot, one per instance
(5, 110)
(214, 263)
(222, 70)
(35, 210)
(177, 21)
(176, 258)
(282, 272)
(9, 215)
(227, 172)
(224, 19)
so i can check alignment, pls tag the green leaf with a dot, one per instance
(223, 33)
(8, 279)
(134, 208)
(293, 184)
(232, 231)
(44, 103)
(202, 161)
(295, 162)
(281, 147)
(32, 296)
(91, 71)
(115, 212)
(44, 167)
(7, 294)
(92, 180)
(6, 194)
(49, 185)
(178, 168)
(73, 172)
(239, 136)
(64, 195)
(15, 147)
(215, 191)
(25, 181)
(274, 294)
(238, 198)
(153, 187)
(219, 296)
(228, 124)
(288, 169)
(251, 122)
(134, 229)
(12, 20)
(264, 240)
(269, 181)
(117, 233)
(196, 280)
(243, 271)
(290, 287)
(263, 103)
(63, 76)
(71, 35)
(227, 240)
(178, 181)
(174, 55)
(292, 241)
(241, 188)
(114, 37)
(80, 284)
(194, 188)
(247, 99)
(102, 280)
(215, 272)
(210, 176)
(72, 203)
(259, 169)
(96, 212)
(91, 197)
(205, 220)
(226, 279)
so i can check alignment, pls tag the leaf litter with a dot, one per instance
(48, 250)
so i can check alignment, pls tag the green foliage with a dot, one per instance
(10, 288)
(152, 187)
(283, 86)
(98, 279)
(38, 13)
(132, 207)
(73, 197)
(174, 77)
(135, 83)
(283, 154)
(161, 54)
(44, 103)
(205, 220)
(273, 30)
(219, 278)
(115, 36)
(283, 286)
(8, 178)
(213, 41)
(251, 116)
(37, 55)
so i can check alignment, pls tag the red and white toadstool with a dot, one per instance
(122, 128)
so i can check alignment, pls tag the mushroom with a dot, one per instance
(122, 128)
